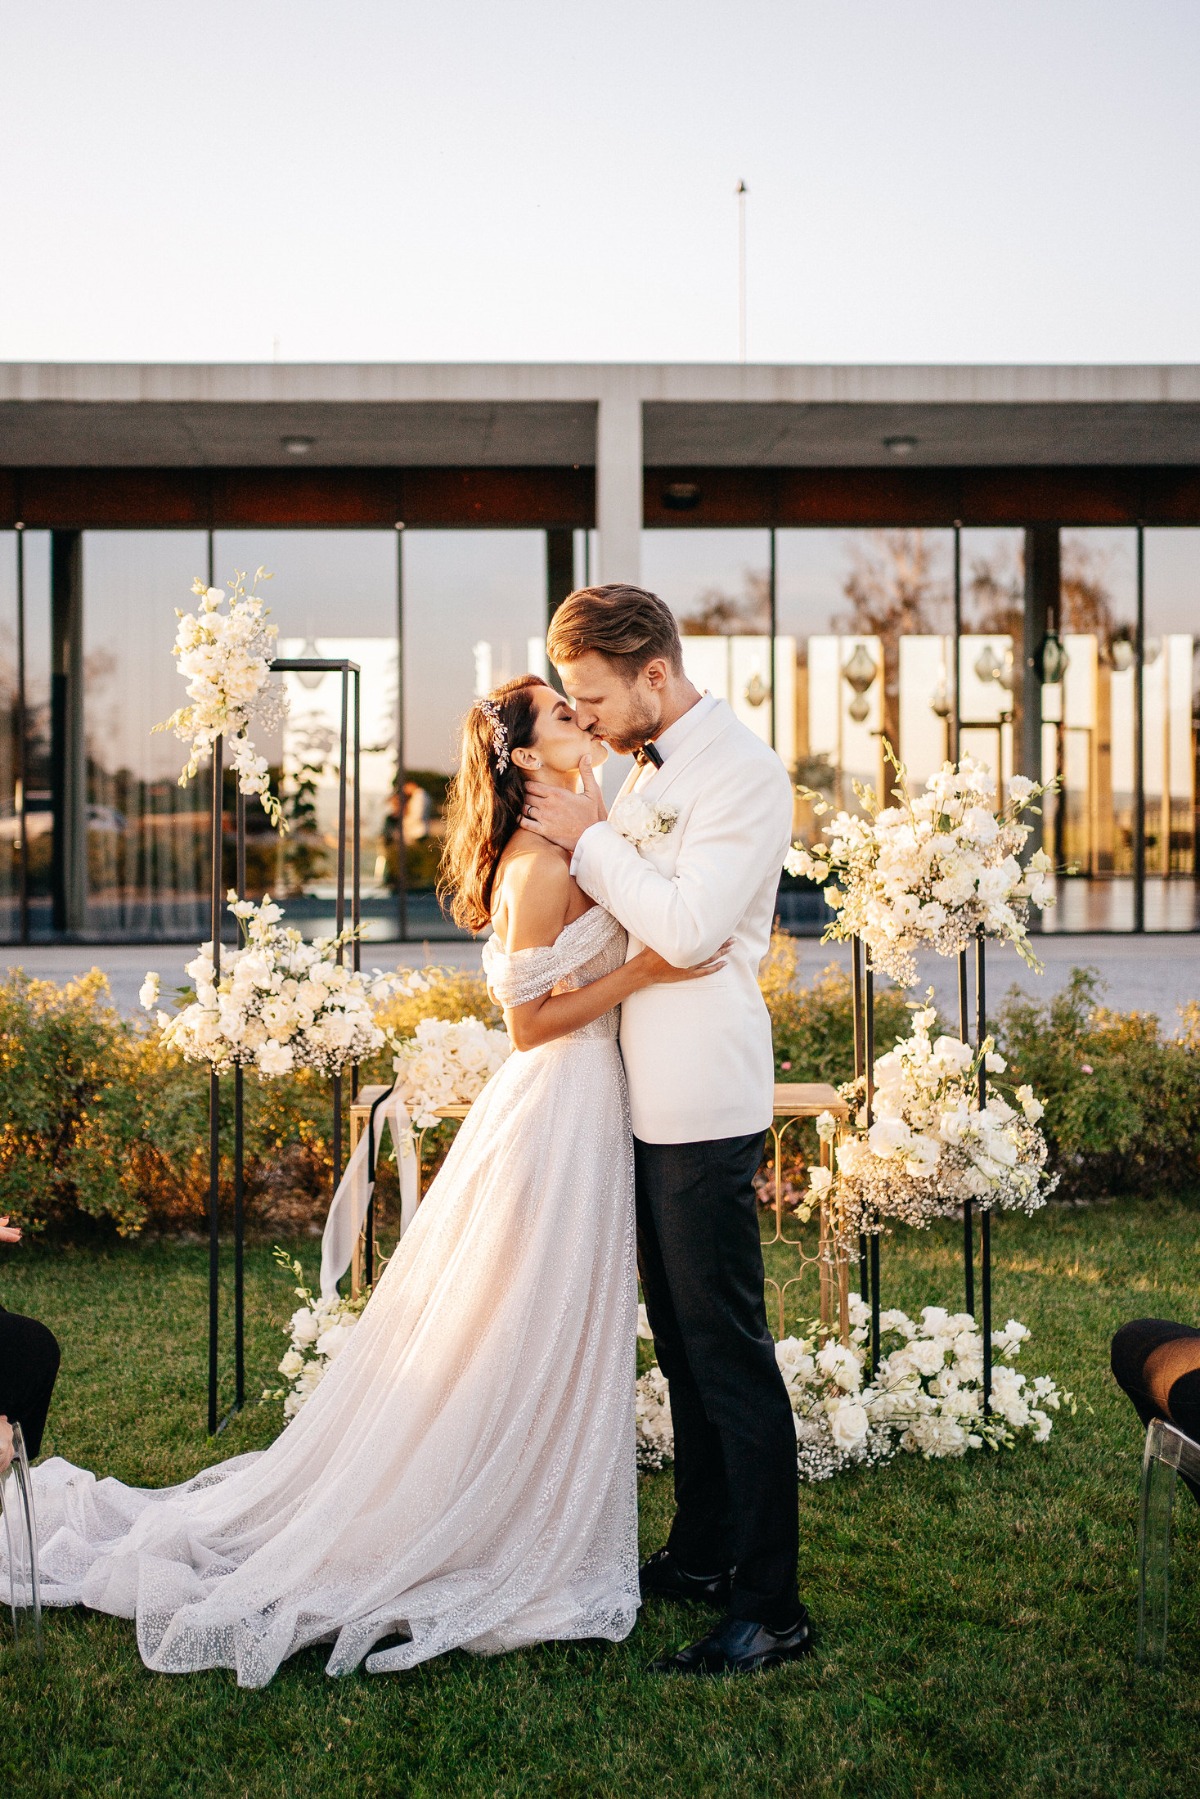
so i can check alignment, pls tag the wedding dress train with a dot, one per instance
(464, 1476)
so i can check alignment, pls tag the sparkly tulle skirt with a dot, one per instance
(464, 1476)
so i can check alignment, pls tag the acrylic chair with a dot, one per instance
(1168, 1454)
(20, 1532)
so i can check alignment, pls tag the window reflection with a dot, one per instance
(145, 838)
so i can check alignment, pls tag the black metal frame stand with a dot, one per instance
(862, 978)
(350, 754)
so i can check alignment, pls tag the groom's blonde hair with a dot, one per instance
(626, 624)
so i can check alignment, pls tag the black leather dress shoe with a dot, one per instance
(739, 1646)
(662, 1576)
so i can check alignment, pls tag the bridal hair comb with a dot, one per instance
(491, 712)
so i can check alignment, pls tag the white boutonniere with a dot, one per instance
(639, 822)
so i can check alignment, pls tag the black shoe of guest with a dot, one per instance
(740, 1646)
(662, 1576)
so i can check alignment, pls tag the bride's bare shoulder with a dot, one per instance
(533, 891)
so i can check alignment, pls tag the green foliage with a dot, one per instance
(103, 1126)
(1122, 1101)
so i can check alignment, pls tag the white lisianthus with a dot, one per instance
(932, 870)
(931, 1145)
(148, 993)
(926, 1398)
(281, 1003)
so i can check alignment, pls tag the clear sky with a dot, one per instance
(941, 180)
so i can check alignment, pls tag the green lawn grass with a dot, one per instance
(976, 1618)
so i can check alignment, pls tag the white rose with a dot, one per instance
(303, 1326)
(848, 1424)
(888, 1135)
(291, 1364)
(1032, 1108)
(148, 993)
(275, 1057)
(820, 1180)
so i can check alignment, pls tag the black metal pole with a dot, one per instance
(1139, 752)
(869, 1057)
(955, 746)
(401, 771)
(239, 1165)
(985, 1217)
(773, 598)
(214, 1089)
(340, 902)
(968, 1224)
(22, 747)
(856, 1005)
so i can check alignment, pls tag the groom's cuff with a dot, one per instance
(578, 856)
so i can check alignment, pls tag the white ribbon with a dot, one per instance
(348, 1208)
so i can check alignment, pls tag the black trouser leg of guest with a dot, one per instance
(29, 1358)
(1132, 1346)
(700, 1259)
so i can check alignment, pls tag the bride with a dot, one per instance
(464, 1475)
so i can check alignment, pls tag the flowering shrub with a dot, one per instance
(281, 1003)
(447, 1062)
(226, 657)
(931, 1145)
(929, 872)
(926, 1399)
(317, 1333)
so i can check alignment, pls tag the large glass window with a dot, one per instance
(26, 805)
(144, 839)
(474, 616)
(1171, 686)
(333, 597)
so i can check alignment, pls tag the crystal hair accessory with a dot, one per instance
(491, 712)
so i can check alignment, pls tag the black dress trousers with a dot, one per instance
(29, 1358)
(700, 1260)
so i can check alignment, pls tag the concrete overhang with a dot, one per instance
(545, 415)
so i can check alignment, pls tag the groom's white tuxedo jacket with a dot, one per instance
(698, 1054)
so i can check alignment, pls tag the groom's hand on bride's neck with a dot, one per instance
(562, 816)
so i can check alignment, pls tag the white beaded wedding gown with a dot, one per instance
(464, 1476)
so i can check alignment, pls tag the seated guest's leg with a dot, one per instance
(29, 1358)
(1157, 1363)
(1132, 1347)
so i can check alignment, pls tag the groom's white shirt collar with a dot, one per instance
(668, 741)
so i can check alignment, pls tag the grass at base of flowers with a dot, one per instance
(976, 1618)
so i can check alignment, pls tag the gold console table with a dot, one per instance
(793, 1100)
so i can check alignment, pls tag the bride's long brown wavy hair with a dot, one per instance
(483, 807)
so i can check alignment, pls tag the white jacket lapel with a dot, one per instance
(718, 719)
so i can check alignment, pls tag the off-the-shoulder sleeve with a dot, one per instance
(526, 974)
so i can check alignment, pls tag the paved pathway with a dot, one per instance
(1151, 973)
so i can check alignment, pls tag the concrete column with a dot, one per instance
(619, 487)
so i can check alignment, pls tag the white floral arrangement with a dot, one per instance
(446, 1062)
(226, 657)
(639, 822)
(930, 872)
(281, 1003)
(317, 1334)
(926, 1399)
(931, 1146)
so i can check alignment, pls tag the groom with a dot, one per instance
(700, 1068)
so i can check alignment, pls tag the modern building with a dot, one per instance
(1002, 561)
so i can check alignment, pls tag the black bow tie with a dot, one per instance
(649, 752)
